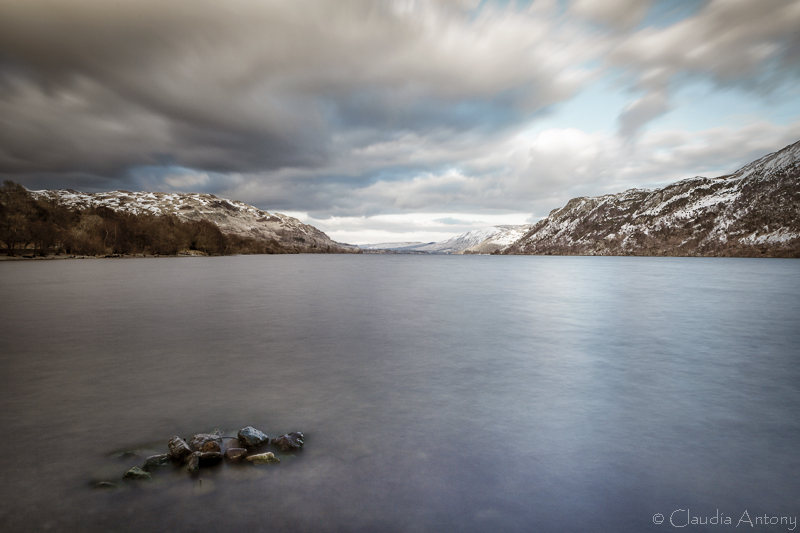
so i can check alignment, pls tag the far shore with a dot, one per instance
(51, 257)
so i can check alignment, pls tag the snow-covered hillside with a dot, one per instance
(501, 238)
(464, 241)
(231, 216)
(752, 212)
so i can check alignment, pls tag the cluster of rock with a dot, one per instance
(206, 449)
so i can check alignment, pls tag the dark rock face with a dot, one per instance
(289, 441)
(263, 459)
(235, 454)
(201, 443)
(250, 437)
(178, 448)
(137, 473)
(155, 461)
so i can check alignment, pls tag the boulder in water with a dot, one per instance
(250, 437)
(178, 448)
(235, 454)
(289, 441)
(263, 459)
(201, 443)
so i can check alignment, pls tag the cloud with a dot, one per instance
(751, 45)
(729, 40)
(642, 111)
(450, 221)
(619, 13)
(355, 109)
(250, 86)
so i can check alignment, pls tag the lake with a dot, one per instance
(437, 393)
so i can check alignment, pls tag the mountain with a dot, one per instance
(754, 212)
(484, 240)
(231, 216)
(500, 238)
(468, 240)
(390, 246)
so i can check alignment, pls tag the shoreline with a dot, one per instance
(60, 257)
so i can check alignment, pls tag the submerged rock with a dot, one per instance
(263, 459)
(289, 441)
(178, 448)
(235, 454)
(125, 456)
(250, 437)
(155, 461)
(137, 473)
(201, 443)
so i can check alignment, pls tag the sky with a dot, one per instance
(393, 120)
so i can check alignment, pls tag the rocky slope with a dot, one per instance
(231, 216)
(754, 212)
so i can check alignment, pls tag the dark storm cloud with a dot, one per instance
(95, 86)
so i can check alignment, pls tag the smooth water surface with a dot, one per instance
(437, 393)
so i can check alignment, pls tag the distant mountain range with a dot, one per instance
(754, 212)
(231, 216)
(485, 240)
